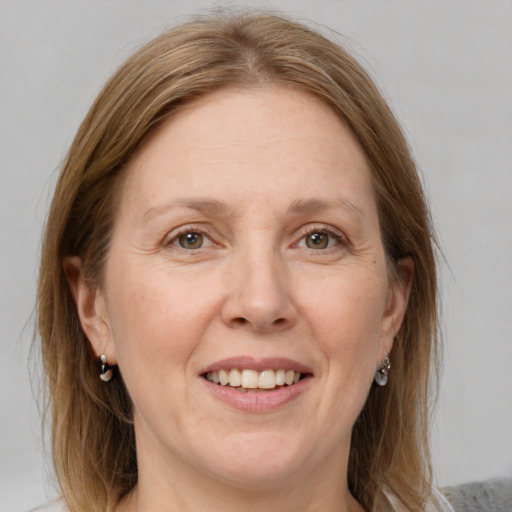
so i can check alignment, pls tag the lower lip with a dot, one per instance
(264, 401)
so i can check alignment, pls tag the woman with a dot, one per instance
(237, 297)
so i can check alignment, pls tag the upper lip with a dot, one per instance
(256, 363)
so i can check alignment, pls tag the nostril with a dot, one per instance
(259, 322)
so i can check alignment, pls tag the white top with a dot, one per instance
(437, 503)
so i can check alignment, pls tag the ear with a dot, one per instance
(91, 308)
(398, 298)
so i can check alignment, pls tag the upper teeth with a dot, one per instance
(252, 379)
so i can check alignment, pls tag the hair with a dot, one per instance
(92, 431)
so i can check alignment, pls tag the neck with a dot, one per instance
(184, 489)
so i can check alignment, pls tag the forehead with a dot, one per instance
(243, 144)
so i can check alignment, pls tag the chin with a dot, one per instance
(259, 461)
(263, 477)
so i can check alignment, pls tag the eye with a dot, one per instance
(190, 240)
(318, 239)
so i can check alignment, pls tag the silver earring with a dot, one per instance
(106, 371)
(381, 374)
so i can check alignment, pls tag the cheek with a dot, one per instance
(346, 317)
(156, 316)
(346, 311)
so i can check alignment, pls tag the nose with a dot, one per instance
(260, 293)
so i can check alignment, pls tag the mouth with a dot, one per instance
(254, 381)
(257, 385)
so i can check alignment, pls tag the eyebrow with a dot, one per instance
(302, 206)
(220, 209)
(210, 206)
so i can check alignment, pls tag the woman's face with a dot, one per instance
(246, 247)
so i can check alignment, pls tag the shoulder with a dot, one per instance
(52, 506)
(436, 503)
(493, 494)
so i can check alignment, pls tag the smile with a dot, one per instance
(249, 380)
(255, 384)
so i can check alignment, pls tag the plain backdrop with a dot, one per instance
(446, 68)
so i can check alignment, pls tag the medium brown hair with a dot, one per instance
(92, 430)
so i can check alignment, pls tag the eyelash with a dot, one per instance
(174, 240)
(304, 233)
(323, 230)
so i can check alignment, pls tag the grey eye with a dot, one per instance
(191, 240)
(317, 240)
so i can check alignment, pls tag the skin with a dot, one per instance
(283, 166)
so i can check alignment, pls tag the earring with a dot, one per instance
(381, 374)
(106, 371)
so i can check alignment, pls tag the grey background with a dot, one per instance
(446, 68)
